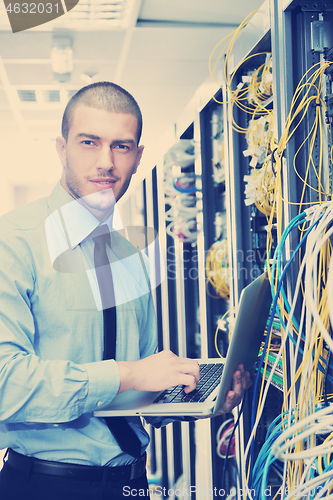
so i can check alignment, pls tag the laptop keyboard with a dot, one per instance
(210, 375)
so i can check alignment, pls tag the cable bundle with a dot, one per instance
(261, 84)
(309, 339)
(260, 139)
(251, 96)
(282, 439)
(308, 93)
(218, 162)
(181, 154)
(182, 197)
(298, 444)
(261, 181)
(181, 191)
(260, 188)
(227, 49)
(217, 268)
(225, 438)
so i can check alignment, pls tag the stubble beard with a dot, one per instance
(101, 202)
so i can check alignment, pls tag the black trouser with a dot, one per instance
(25, 484)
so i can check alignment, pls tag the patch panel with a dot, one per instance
(276, 381)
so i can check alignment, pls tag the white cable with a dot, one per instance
(307, 470)
(225, 437)
(185, 230)
(330, 290)
(308, 487)
(314, 245)
(295, 427)
(311, 301)
(291, 313)
(323, 489)
(307, 367)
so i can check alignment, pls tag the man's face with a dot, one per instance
(99, 158)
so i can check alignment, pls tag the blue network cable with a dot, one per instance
(298, 220)
(185, 185)
(255, 390)
(267, 459)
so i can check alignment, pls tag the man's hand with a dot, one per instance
(164, 369)
(158, 372)
(241, 382)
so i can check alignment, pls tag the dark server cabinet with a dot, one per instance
(281, 44)
(300, 41)
(217, 252)
(251, 141)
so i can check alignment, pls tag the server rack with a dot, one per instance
(216, 231)
(299, 38)
(298, 34)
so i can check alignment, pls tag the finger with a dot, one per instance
(237, 385)
(246, 381)
(231, 400)
(190, 367)
(189, 382)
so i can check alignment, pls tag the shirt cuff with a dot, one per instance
(103, 383)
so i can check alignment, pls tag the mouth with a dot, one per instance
(101, 184)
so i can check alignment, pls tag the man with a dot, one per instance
(54, 367)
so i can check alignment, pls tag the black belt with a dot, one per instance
(77, 471)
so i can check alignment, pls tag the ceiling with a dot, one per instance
(161, 57)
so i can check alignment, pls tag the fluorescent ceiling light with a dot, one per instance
(62, 56)
(41, 96)
(97, 14)
(62, 60)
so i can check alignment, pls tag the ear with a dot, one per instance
(61, 146)
(138, 158)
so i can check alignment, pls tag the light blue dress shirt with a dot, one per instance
(52, 376)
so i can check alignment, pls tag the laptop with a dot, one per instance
(216, 374)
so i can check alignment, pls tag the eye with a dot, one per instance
(88, 142)
(122, 147)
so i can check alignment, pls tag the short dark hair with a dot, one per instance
(102, 95)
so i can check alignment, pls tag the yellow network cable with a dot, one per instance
(234, 34)
(261, 85)
(299, 110)
(216, 334)
(311, 80)
(217, 268)
(307, 376)
(311, 380)
(248, 98)
(302, 377)
(306, 386)
(260, 138)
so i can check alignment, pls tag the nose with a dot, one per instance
(105, 158)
